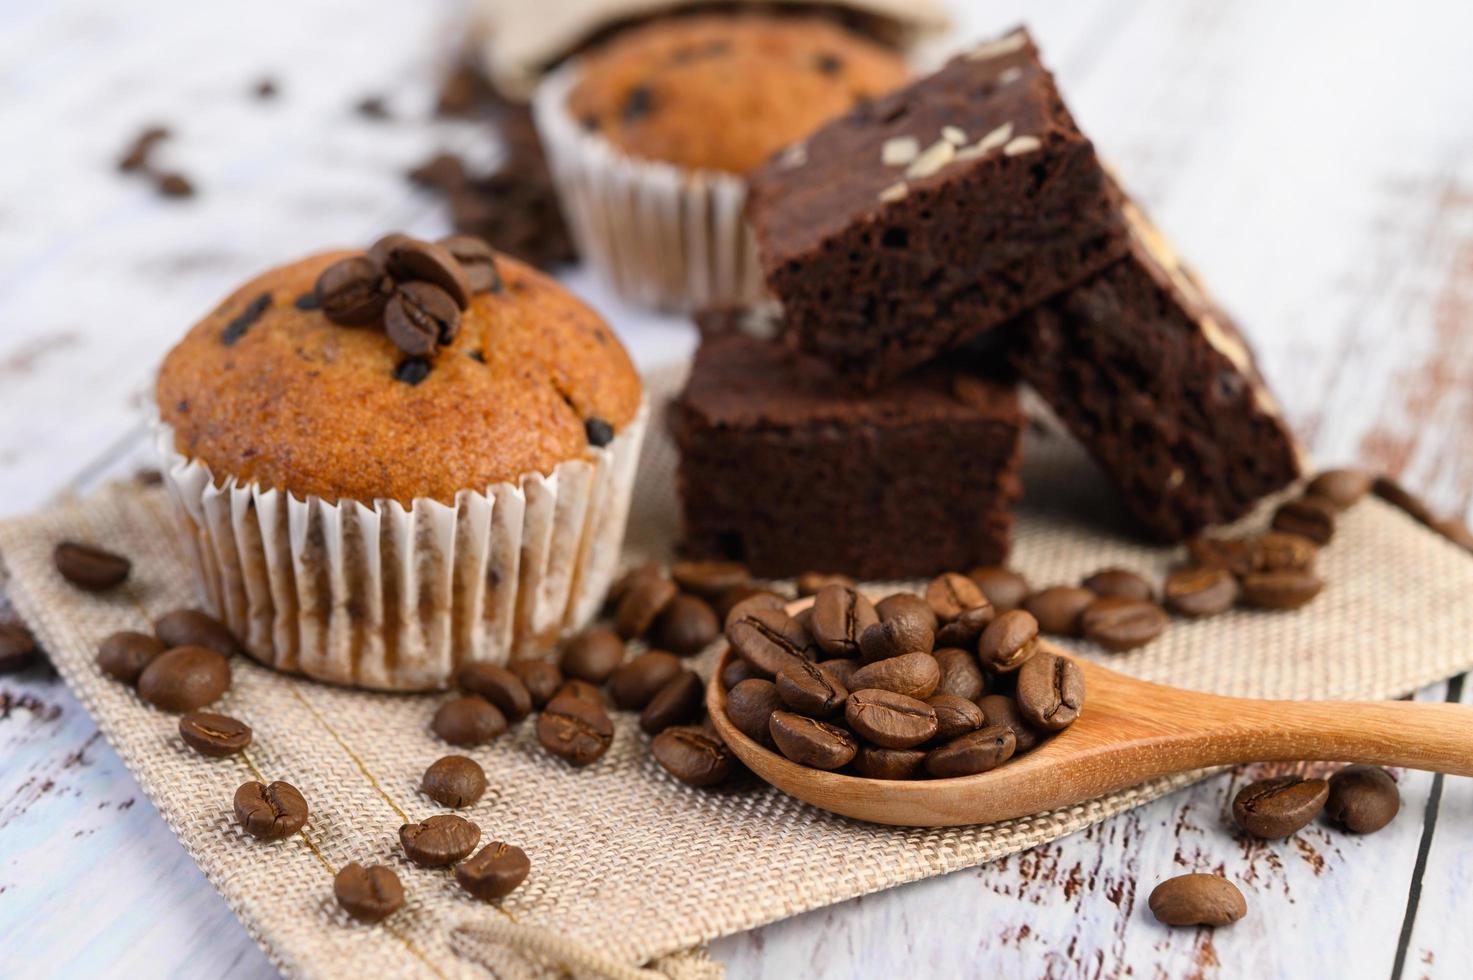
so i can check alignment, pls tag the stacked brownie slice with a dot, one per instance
(966, 205)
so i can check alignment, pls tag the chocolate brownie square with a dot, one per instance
(1158, 383)
(933, 214)
(788, 468)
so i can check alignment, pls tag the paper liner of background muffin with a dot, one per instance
(663, 235)
(374, 594)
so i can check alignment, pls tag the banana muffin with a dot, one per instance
(395, 461)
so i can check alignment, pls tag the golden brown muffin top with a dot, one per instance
(724, 92)
(302, 404)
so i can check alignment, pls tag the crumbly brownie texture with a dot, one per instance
(268, 391)
(724, 91)
(785, 467)
(1155, 379)
(933, 214)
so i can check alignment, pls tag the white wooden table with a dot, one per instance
(1315, 160)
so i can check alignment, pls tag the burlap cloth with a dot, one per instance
(632, 871)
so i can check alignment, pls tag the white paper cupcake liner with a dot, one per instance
(382, 596)
(663, 235)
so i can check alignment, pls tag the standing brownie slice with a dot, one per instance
(933, 214)
(786, 467)
(1156, 380)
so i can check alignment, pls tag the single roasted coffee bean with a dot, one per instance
(890, 720)
(412, 261)
(214, 735)
(1120, 583)
(873, 762)
(1276, 808)
(680, 701)
(951, 594)
(1237, 555)
(88, 567)
(840, 616)
(749, 601)
(907, 608)
(184, 679)
(1343, 488)
(1286, 589)
(495, 872)
(810, 742)
(469, 720)
(454, 781)
(439, 841)
(1059, 608)
(17, 648)
(1009, 642)
(709, 579)
(966, 629)
(1308, 517)
(960, 674)
(812, 583)
(687, 626)
(999, 709)
(592, 655)
(1123, 624)
(641, 604)
(1197, 900)
(840, 670)
(1277, 551)
(583, 691)
(809, 690)
(498, 685)
(693, 755)
(915, 675)
(477, 261)
(123, 656)
(635, 683)
(420, 317)
(628, 580)
(575, 730)
(368, 894)
(1200, 590)
(954, 716)
(1003, 587)
(749, 706)
(1050, 691)
(987, 748)
(770, 640)
(1362, 799)
(893, 637)
(270, 812)
(353, 292)
(196, 628)
(736, 671)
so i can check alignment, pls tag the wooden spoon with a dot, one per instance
(1128, 732)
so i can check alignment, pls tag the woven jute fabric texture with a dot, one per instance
(631, 871)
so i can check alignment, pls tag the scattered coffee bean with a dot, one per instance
(1237, 555)
(840, 616)
(693, 755)
(1362, 799)
(88, 567)
(770, 640)
(18, 648)
(893, 637)
(810, 742)
(749, 706)
(907, 608)
(950, 594)
(915, 675)
(635, 683)
(1050, 692)
(540, 678)
(123, 656)
(680, 701)
(173, 184)
(1009, 642)
(1276, 551)
(411, 260)
(592, 655)
(1059, 608)
(1308, 517)
(987, 748)
(873, 762)
(709, 579)
(1197, 900)
(583, 691)
(184, 679)
(644, 601)
(812, 583)
(1200, 591)
(1276, 808)
(809, 690)
(495, 872)
(1119, 625)
(468, 720)
(574, 729)
(960, 675)
(736, 671)
(454, 781)
(1120, 583)
(368, 894)
(966, 629)
(195, 628)
(1341, 488)
(840, 671)
(439, 841)
(216, 736)
(890, 720)
(1286, 589)
(499, 686)
(954, 716)
(477, 261)
(1004, 588)
(999, 709)
(353, 292)
(686, 626)
(270, 812)
(419, 317)
(749, 603)
(245, 319)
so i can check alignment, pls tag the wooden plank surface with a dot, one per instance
(1315, 163)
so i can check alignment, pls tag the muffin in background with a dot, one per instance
(651, 133)
(373, 504)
